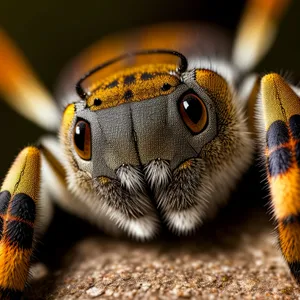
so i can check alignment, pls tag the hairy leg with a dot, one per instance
(280, 107)
(19, 203)
(21, 88)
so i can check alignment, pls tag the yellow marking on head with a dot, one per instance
(68, 117)
(213, 83)
(24, 174)
(64, 135)
(67, 120)
(279, 101)
(133, 85)
(217, 88)
(14, 266)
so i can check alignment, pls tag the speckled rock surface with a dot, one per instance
(234, 257)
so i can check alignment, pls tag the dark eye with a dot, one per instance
(82, 139)
(193, 112)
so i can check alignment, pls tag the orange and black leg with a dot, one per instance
(19, 198)
(281, 116)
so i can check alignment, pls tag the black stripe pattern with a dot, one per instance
(19, 234)
(295, 126)
(279, 161)
(20, 219)
(295, 130)
(4, 201)
(23, 207)
(277, 134)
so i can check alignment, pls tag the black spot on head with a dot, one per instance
(295, 126)
(166, 87)
(23, 206)
(19, 234)
(97, 102)
(279, 161)
(129, 79)
(4, 201)
(128, 95)
(112, 84)
(277, 134)
(147, 76)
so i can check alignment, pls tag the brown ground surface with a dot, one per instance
(235, 257)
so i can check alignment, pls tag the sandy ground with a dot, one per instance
(234, 257)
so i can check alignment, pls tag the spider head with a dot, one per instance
(150, 141)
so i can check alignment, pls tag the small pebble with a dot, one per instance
(125, 275)
(95, 292)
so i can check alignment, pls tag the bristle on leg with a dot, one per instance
(18, 201)
(281, 114)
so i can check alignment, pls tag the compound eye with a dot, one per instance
(82, 139)
(193, 112)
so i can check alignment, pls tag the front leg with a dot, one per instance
(280, 106)
(18, 214)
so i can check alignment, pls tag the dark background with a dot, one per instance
(51, 32)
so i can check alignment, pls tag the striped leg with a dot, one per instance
(281, 115)
(257, 31)
(21, 88)
(18, 208)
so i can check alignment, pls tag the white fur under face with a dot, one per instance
(138, 198)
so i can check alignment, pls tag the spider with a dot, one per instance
(154, 130)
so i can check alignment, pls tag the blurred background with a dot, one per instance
(52, 32)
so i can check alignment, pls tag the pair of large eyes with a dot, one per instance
(191, 108)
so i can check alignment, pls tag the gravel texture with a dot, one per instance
(234, 257)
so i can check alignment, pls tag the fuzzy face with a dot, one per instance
(171, 158)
